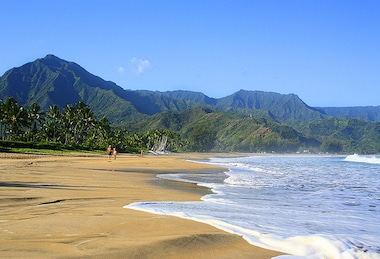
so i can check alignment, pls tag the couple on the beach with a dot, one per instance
(111, 152)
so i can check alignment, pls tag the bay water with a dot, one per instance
(305, 206)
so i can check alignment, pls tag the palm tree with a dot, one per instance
(53, 116)
(85, 123)
(2, 116)
(36, 118)
(15, 117)
(101, 131)
(68, 121)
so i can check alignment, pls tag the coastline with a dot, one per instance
(72, 206)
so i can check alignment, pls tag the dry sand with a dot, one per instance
(72, 207)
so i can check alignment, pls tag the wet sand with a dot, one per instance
(72, 207)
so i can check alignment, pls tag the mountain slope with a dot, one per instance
(195, 97)
(232, 132)
(284, 107)
(50, 80)
(371, 113)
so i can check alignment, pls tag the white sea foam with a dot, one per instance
(316, 246)
(309, 207)
(363, 159)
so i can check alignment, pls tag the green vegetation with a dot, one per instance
(202, 130)
(347, 135)
(73, 128)
(210, 130)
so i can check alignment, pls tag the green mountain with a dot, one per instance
(51, 80)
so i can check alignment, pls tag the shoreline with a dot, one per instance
(72, 206)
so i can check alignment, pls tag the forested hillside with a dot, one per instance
(222, 131)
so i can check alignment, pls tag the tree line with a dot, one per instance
(75, 126)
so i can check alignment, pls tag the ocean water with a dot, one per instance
(305, 206)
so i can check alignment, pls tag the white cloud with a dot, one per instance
(121, 70)
(141, 65)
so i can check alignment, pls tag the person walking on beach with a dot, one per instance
(114, 153)
(109, 151)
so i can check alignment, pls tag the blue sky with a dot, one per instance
(325, 51)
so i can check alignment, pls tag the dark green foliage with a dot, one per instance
(208, 130)
(13, 117)
(6, 145)
(332, 146)
(352, 135)
(202, 138)
(76, 126)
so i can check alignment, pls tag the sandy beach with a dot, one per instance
(71, 206)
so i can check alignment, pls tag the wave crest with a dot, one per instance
(362, 159)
